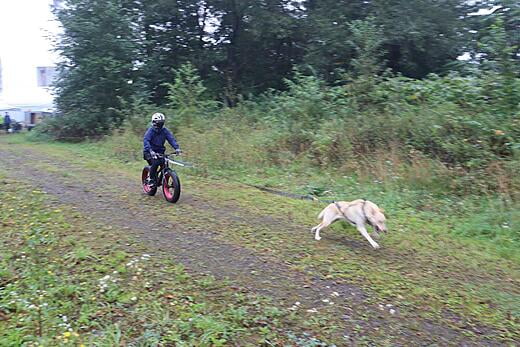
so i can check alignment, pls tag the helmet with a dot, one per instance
(158, 120)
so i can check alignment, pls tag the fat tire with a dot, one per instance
(176, 184)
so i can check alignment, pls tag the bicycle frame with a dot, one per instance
(166, 166)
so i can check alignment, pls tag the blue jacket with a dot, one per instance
(154, 140)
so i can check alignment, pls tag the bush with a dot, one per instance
(444, 131)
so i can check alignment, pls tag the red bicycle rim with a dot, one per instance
(168, 187)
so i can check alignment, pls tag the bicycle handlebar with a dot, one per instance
(165, 155)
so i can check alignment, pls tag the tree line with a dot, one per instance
(115, 51)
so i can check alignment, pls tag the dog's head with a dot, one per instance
(377, 218)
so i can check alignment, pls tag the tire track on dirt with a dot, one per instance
(201, 252)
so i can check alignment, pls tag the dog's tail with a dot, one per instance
(320, 216)
(322, 213)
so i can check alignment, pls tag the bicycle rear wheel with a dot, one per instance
(145, 178)
(171, 186)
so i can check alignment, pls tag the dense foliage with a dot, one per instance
(331, 80)
(243, 47)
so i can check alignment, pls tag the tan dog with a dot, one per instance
(358, 213)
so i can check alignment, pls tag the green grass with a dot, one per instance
(421, 264)
(444, 254)
(64, 283)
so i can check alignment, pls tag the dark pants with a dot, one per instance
(154, 165)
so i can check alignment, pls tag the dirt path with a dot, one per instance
(203, 251)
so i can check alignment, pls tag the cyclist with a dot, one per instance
(153, 141)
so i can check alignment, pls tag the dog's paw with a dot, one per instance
(376, 246)
(317, 238)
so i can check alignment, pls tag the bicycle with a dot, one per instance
(166, 177)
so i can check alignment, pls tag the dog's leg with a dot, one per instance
(363, 231)
(319, 228)
(316, 230)
(327, 220)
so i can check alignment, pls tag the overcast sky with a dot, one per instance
(24, 26)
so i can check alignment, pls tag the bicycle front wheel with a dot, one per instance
(171, 186)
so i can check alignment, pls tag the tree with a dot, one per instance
(172, 33)
(96, 71)
(501, 24)
(257, 45)
(187, 95)
(420, 36)
(327, 33)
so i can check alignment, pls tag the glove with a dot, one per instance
(153, 154)
(178, 151)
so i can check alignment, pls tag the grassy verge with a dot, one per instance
(421, 190)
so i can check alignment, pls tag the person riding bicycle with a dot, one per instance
(7, 122)
(153, 141)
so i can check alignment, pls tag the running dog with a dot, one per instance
(358, 213)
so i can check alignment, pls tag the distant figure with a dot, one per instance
(7, 122)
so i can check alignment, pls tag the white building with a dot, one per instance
(37, 104)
